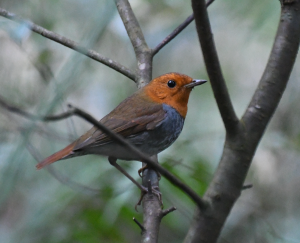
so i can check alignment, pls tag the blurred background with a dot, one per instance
(86, 200)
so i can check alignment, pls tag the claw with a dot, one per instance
(141, 170)
(154, 190)
(143, 193)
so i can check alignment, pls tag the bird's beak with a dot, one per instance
(194, 83)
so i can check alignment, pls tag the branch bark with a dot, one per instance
(136, 36)
(71, 44)
(151, 204)
(150, 174)
(239, 149)
(213, 67)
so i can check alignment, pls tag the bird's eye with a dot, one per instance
(171, 83)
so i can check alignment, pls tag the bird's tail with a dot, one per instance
(62, 154)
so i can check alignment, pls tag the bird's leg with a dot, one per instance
(113, 162)
(141, 170)
(151, 179)
(144, 190)
(151, 190)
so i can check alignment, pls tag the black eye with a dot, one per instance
(171, 83)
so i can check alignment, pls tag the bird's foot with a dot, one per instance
(141, 170)
(151, 190)
(144, 190)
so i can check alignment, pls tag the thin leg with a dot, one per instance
(147, 167)
(144, 190)
(113, 162)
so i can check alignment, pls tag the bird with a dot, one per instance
(151, 119)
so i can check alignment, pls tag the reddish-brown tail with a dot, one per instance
(55, 157)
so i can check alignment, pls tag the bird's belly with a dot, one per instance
(149, 142)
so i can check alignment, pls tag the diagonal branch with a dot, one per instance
(71, 44)
(75, 111)
(136, 36)
(190, 192)
(28, 115)
(175, 32)
(213, 67)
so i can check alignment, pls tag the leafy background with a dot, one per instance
(86, 200)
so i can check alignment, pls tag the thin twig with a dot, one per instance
(71, 44)
(175, 32)
(167, 211)
(213, 67)
(28, 115)
(139, 224)
(247, 187)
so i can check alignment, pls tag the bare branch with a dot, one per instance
(115, 137)
(245, 187)
(136, 36)
(28, 115)
(213, 67)
(175, 32)
(167, 211)
(192, 194)
(151, 206)
(71, 44)
(139, 224)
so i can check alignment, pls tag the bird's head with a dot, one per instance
(172, 89)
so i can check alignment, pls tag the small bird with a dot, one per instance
(151, 119)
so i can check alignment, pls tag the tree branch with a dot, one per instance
(139, 224)
(136, 36)
(192, 194)
(76, 111)
(175, 32)
(169, 210)
(71, 44)
(213, 67)
(28, 115)
(229, 177)
(151, 204)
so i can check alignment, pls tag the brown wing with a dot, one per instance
(134, 115)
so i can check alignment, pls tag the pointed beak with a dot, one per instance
(194, 83)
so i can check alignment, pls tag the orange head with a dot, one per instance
(172, 89)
